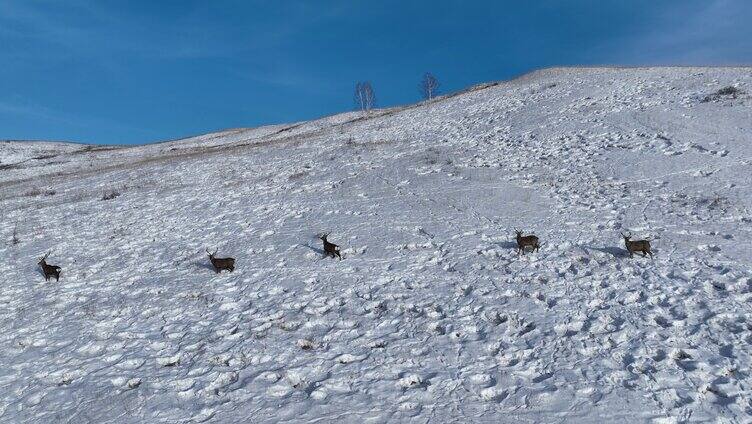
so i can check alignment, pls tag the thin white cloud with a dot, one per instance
(44, 115)
(711, 32)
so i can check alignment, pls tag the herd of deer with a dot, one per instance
(331, 249)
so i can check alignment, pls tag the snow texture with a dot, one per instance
(431, 315)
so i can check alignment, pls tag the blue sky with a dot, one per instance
(104, 71)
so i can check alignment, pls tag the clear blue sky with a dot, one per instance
(103, 71)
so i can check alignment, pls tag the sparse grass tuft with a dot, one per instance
(729, 91)
(39, 192)
(110, 194)
(15, 240)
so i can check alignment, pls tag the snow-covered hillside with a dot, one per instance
(431, 315)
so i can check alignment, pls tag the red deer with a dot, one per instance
(221, 263)
(637, 245)
(330, 249)
(525, 241)
(49, 270)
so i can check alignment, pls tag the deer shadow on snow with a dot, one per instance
(507, 244)
(203, 264)
(614, 251)
(315, 249)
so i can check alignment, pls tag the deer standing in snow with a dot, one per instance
(49, 270)
(637, 245)
(525, 241)
(330, 249)
(221, 263)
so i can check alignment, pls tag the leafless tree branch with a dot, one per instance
(365, 98)
(429, 86)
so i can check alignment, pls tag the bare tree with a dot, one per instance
(429, 86)
(365, 99)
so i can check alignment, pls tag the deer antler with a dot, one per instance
(46, 255)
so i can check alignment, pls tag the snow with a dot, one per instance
(431, 315)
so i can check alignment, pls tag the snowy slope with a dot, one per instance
(431, 316)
